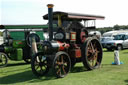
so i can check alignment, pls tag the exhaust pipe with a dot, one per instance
(50, 20)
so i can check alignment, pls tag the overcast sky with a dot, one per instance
(31, 11)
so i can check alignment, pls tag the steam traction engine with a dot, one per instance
(68, 45)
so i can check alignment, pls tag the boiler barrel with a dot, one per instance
(59, 46)
(55, 46)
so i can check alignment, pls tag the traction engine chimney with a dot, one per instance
(50, 20)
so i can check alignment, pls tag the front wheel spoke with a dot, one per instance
(45, 63)
(36, 63)
(65, 62)
(63, 67)
(41, 69)
(56, 66)
(45, 66)
(37, 67)
(58, 63)
(37, 59)
(90, 62)
(59, 71)
(62, 59)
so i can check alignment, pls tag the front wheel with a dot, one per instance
(92, 53)
(61, 64)
(3, 59)
(39, 64)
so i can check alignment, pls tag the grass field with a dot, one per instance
(19, 73)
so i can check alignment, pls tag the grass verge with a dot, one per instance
(18, 73)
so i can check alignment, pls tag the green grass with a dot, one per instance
(18, 73)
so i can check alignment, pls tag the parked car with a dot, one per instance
(119, 42)
(104, 40)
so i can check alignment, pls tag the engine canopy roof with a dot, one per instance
(73, 16)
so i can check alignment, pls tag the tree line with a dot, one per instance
(115, 27)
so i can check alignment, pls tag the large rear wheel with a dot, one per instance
(92, 53)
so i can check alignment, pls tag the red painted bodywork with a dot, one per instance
(63, 46)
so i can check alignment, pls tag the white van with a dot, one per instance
(110, 34)
(113, 33)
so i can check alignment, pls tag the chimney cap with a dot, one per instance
(50, 5)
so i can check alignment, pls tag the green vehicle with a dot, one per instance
(16, 42)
